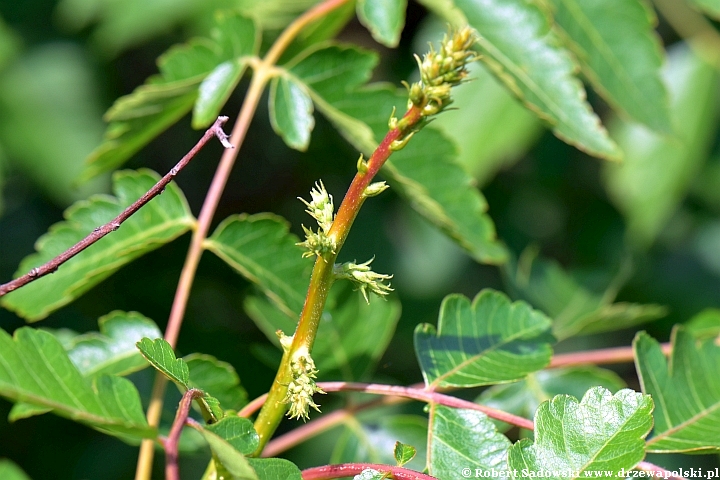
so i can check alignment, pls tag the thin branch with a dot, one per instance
(171, 444)
(659, 471)
(603, 356)
(329, 472)
(426, 396)
(50, 267)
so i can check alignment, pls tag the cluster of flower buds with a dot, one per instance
(365, 279)
(439, 71)
(322, 209)
(302, 387)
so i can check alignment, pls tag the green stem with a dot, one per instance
(321, 280)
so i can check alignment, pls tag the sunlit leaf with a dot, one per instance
(464, 439)
(161, 356)
(602, 433)
(686, 391)
(384, 18)
(214, 91)
(523, 398)
(260, 248)
(658, 170)
(291, 112)
(621, 55)
(228, 457)
(487, 341)
(275, 469)
(238, 432)
(35, 368)
(521, 49)
(160, 221)
(403, 453)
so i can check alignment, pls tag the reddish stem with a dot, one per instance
(329, 472)
(50, 267)
(603, 356)
(171, 444)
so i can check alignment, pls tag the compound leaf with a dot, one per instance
(160, 221)
(601, 433)
(464, 437)
(161, 356)
(384, 18)
(621, 55)
(35, 368)
(686, 391)
(260, 248)
(291, 112)
(487, 341)
(521, 49)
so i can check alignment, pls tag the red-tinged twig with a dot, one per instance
(50, 267)
(329, 472)
(171, 443)
(603, 356)
(659, 471)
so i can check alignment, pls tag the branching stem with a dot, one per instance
(171, 444)
(50, 267)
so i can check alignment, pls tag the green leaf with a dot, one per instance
(601, 433)
(621, 55)
(160, 221)
(260, 248)
(238, 432)
(215, 90)
(161, 356)
(705, 324)
(384, 18)
(686, 391)
(523, 398)
(352, 336)
(371, 438)
(472, 340)
(217, 378)
(10, 471)
(403, 453)
(710, 7)
(521, 49)
(576, 310)
(237, 38)
(426, 175)
(137, 118)
(35, 368)
(464, 439)
(112, 350)
(230, 459)
(291, 112)
(658, 170)
(275, 469)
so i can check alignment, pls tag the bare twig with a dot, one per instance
(603, 356)
(171, 443)
(329, 472)
(50, 267)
